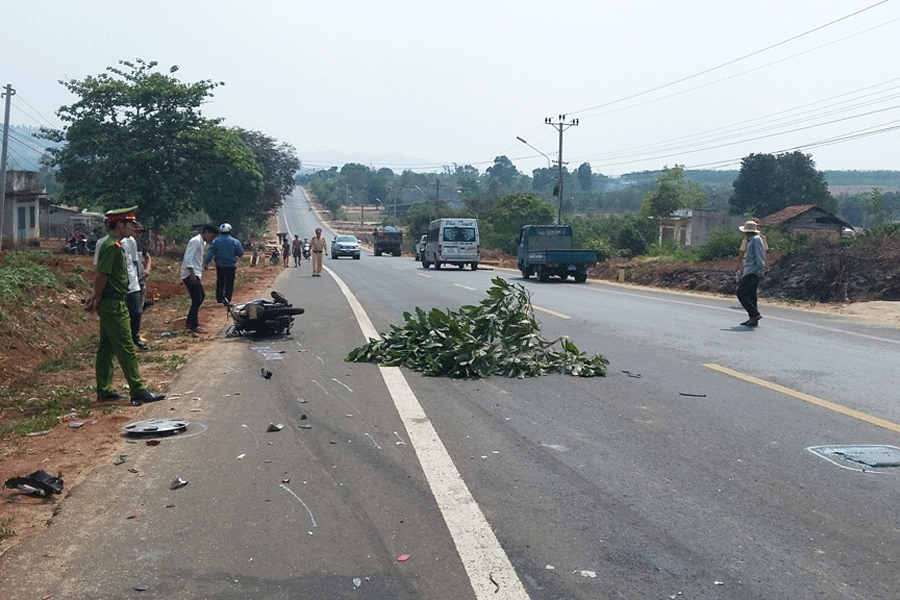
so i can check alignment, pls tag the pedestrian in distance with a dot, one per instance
(286, 251)
(108, 301)
(754, 269)
(226, 251)
(317, 247)
(297, 250)
(191, 275)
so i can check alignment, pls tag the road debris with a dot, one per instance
(267, 374)
(40, 483)
(403, 558)
(357, 582)
(178, 482)
(156, 427)
(120, 459)
(274, 427)
(692, 395)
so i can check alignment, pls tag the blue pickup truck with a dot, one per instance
(546, 250)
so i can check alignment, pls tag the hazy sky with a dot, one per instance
(417, 85)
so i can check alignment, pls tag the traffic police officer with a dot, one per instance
(110, 288)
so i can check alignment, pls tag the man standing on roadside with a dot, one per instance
(191, 274)
(317, 247)
(108, 300)
(225, 250)
(754, 269)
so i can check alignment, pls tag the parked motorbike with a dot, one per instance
(78, 244)
(263, 317)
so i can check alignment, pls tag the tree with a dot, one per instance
(768, 183)
(585, 176)
(514, 211)
(126, 141)
(279, 165)
(230, 181)
(503, 171)
(673, 191)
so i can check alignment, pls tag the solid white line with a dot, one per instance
(490, 572)
(465, 287)
(550, 312)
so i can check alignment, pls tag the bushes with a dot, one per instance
(723, 243)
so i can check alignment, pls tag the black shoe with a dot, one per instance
(145, 396)
(140, 344)
(110, 396)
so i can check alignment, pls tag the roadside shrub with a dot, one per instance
(723, 243)
(22, 271)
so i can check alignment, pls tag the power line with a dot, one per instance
(36, 111)
(725, 64)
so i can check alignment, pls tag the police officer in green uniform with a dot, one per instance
(110, 288)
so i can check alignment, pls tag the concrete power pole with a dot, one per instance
(561, 126)
(8, 94)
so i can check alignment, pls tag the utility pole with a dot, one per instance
(561, 126)
(8, 94)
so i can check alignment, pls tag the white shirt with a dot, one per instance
(131, 257)
(132, 260)
(193, 257)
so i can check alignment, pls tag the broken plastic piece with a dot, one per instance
(265, 373)
(75, 425)
(119, 460)
(274, 427)
(286, 480)
(403, 558)
(39, 483)
(178, 482)
(357, 582)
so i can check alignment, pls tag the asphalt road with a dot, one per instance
(687, 472)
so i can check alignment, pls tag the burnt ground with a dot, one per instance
(821, 273)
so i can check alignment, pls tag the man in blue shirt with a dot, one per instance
(225, 250)
(754, 268)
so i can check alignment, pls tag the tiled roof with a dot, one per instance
(788, 213)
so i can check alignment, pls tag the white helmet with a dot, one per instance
(224, 228)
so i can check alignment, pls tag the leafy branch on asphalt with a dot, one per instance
(499, 336)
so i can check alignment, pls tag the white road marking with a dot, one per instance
(550, 312)
(490, 572)
(465, 287)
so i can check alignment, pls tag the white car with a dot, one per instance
(420, 247)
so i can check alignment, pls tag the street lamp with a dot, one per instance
(549, 162)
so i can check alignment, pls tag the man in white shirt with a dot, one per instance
(191, 273)
(134, 298)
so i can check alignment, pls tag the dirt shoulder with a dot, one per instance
(47, 357)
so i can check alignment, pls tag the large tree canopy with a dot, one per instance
(279, 164)
(768, 183)
(136, 136)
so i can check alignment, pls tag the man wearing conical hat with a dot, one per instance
(108, 300)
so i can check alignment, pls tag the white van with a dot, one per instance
(452, 241)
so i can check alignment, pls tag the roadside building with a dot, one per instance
(809, 219)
